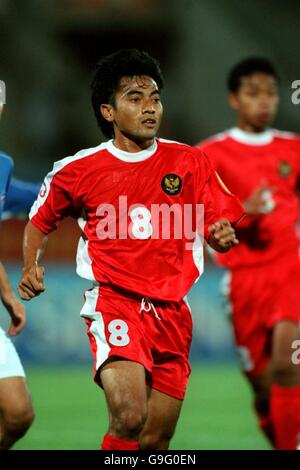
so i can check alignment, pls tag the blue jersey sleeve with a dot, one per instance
(20, 197)
(6, 168)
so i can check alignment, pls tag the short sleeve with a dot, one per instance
(54, 201)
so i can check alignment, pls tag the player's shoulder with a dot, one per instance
(193, 158)
(5, 161)
(180, 148)
(172, 144)
(213, 140)
(79, 158)
(285, 136)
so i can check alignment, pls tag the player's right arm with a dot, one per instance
(32, 280)
(260, 201)
(53, 204)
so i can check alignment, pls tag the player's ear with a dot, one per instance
(107, 112)
(232, 100)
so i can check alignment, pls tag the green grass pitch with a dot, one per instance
(71, 411)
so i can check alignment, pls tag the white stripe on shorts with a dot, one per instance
(97, 328)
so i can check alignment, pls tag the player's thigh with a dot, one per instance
(286, 334)
(124, 384)
(163, 415)
(15, 399)
(251, 310)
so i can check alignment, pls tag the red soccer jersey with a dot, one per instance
(244, 161)
(115, 196)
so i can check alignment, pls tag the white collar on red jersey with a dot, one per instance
(131, 157)
(263, 138)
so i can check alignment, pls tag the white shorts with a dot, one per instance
(10, 364)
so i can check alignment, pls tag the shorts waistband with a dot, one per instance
(115, 291)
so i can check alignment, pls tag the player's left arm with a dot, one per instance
(14, 307)
(222, 236)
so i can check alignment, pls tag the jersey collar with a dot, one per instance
(131, 157)
(249, 138)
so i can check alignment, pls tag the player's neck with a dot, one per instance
(250, 128)
(128, 145)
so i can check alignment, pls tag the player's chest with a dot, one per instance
(153, 184)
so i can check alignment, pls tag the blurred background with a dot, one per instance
(48, 52)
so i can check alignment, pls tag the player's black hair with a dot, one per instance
(110, 69)
(248, 67)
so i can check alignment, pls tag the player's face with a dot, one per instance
(256, 101)
(137, 110)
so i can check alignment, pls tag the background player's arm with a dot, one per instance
(222, 236)
(13, 306)
(32, 280)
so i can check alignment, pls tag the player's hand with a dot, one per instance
(222, 235)
(32, 282)
(260, 201)
(17, 314)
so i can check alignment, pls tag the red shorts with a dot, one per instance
(260, 297)
(155, 334)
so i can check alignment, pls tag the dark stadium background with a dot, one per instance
(48, 52)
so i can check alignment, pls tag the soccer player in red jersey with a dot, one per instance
(262, 167)
(125, 192)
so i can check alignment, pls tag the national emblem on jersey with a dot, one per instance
(171, 184)
(285, 169)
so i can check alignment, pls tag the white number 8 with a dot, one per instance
(141, 227)
(118, 330)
